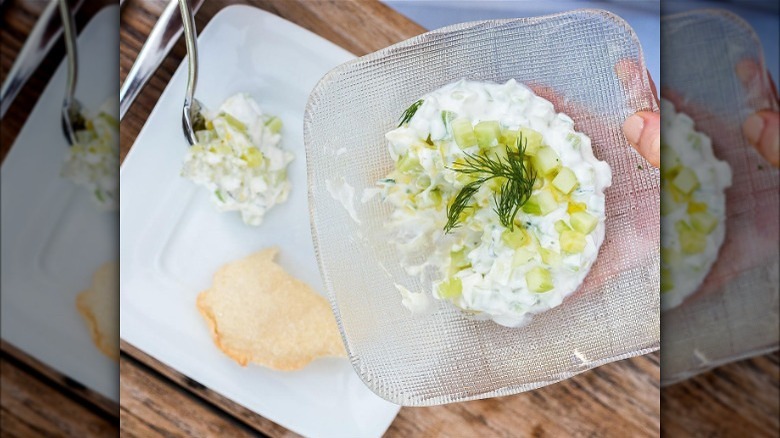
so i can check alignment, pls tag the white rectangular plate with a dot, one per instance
(173, 239)
(53, 236)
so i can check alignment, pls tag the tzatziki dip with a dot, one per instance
(693, 206)
(496, 198)
(238, 159)
(93, 160)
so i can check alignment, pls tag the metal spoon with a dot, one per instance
(72, 119)
(192, 119)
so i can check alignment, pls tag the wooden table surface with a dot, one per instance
(618, 399)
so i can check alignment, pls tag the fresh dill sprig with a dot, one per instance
(518, 184)
(409, 113)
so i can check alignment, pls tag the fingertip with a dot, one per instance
(752, 128)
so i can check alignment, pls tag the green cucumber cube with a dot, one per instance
(409, 164)
(686, 181)
(583, 222)
(509, 137)
(549, 256)
(692, 241)
(561, 226)
(274, 124)
(539, 279)
(565, 181)
(458, 261)
(522, 257)
(451, 288)
(670, 161)
(572, 242)
(545, 161)
(463, 132)
(704, 222)
(540, 203)
(515, 238)
(532, 139)
(488, 133)
(668, 204)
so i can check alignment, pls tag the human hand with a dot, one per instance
(762, 128)
(643, 129)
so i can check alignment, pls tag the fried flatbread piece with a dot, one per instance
(259, 313)
(99, 305)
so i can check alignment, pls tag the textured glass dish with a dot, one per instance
(713, 70)
(444, 357)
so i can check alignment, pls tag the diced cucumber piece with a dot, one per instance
(670, 161)
(522, 257)
(704, 222)
(549, 256)
(84, 136)
(109, 119)
(574, 140)
(459, 260)
(539, 279)
(540, 203)
(561, 226)
(532, 139)
(576, 206)
(222, 148)
(205, 136)
(488, 133)
(583, 222)
(666, 280)
(565, 181)
(436, 198)
(274, 124)
(668, 204)
(692, 241)
(423, 182)
(538, 183)
(515, 238)
(572, 241)
(681, 226)
(234, 122)
(697, 207)
(545, 161)
(451, 288)
(408, 164)
(509, 137)
(686, 181)
(447, 117)
(463, 132)
(253, 157)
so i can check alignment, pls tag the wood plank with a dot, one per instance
(75, 390)
(33, 407)
(738, 399)
(619, 399)
(137, 386)
(152, 405)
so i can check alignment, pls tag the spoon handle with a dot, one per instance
(191, 106)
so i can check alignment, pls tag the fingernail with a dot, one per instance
(753, 127)
(632, 129)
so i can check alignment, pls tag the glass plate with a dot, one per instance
(570, 59)
(734, 314)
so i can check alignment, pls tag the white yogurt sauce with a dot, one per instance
(692, 225)
(492, 273)
(93, 161)
(239, 161)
